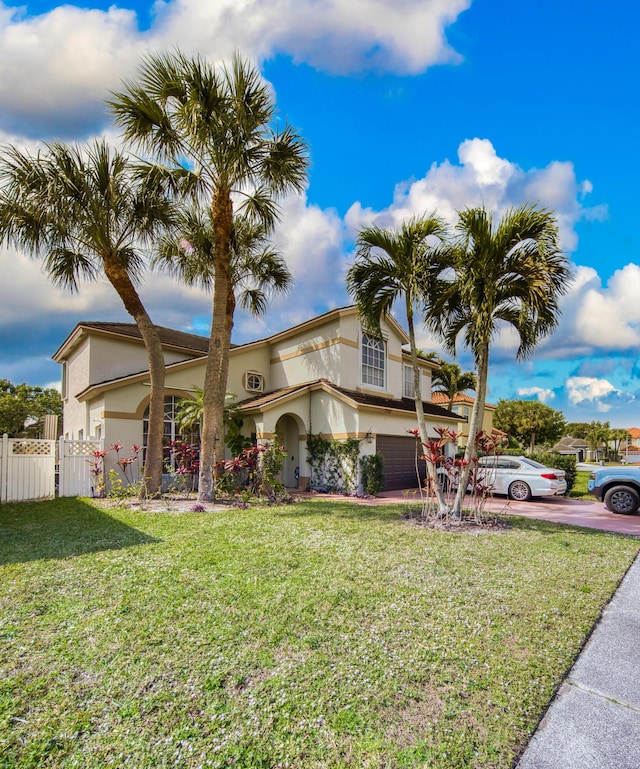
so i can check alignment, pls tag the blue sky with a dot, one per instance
(407, 106)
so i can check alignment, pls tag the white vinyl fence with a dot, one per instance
(27, 469)
(75, 465)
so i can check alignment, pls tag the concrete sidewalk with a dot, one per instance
(594, 720)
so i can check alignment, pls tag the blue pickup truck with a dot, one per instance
(617, 487)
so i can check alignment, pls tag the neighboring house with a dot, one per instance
(631, 452)
(462, 406)
(325, 377)
(634, 437)
(570, 446)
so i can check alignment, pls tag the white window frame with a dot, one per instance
(408, 387)
(257, 386)
(64, 385)
(373, 361)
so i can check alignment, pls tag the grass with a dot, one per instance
(579, 490)
(321, 634)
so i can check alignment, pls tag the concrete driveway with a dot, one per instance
(578, 512)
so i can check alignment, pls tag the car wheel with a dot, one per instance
(519, 491)
(622, 500)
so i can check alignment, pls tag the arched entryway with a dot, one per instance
(288, 432)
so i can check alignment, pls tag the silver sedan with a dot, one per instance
(520, 478)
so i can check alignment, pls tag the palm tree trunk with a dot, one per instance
(422, 427)
(475, 425)
(120, 280)
(217, 369)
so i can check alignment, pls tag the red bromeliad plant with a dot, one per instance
(433, 455)
(97, 470)
(126, 464)
(245, 468)
(186, 461)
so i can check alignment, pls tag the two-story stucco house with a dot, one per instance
(325, 377)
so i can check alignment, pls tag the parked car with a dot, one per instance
(520, 478)
(617, 487)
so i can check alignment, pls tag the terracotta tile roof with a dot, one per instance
(440, 397)
(634, 432)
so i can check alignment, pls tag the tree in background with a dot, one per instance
(451, 380)
(86, 214)
(530, 422)
(23, 407)
(576, 430)
(619, 437)
(597, 437)
(509, 274)
(211, 131)
(389, 266)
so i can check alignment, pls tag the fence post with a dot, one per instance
(61, 467)
(4, 467)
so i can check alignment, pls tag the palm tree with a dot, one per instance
(211, 129)
(257, 273)
(597, 437)
(451, 380)
(392, 265)
(86, 214)
(510, 274)
(618, 435)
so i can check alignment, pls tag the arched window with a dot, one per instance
(171, 429)
(373, 361)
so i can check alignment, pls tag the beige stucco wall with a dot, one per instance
(243, 360)
(75, 414)
(463, 427)
(310, 355)
(333, 351)
(113, 357)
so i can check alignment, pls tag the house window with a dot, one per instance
(253, 382)
(373, 365)
(408, 386)
(171, 430)
(64, 387)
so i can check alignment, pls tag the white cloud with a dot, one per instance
(597, 317)
(592, 392)
(312, 241)
(541, 393)
(484, 178)
(57, 68)
(29, 298)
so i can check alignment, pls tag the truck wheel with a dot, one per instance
(622, 500)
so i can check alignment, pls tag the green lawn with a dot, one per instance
(316, 635)
(579, 490)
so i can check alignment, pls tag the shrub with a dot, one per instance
(371, 468)
(333, 463)
(561, 461)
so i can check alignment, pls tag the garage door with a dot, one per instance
(399, 454)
